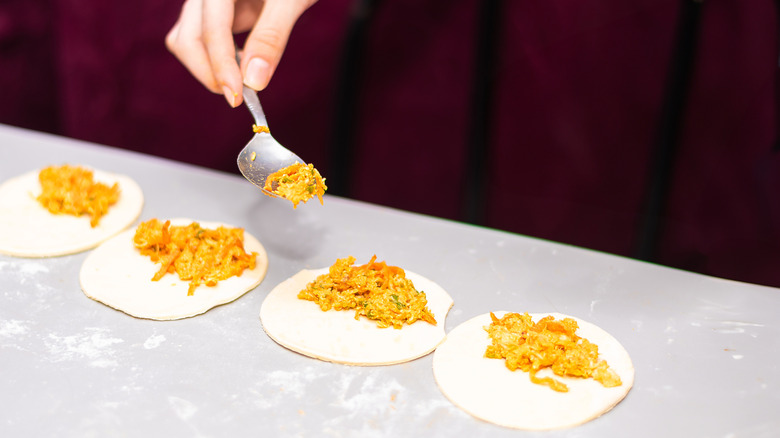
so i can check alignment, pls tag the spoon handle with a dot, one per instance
(253, 103)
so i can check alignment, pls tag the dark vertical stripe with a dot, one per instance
(485, 60)
(666, 143)
(347, 93)
(776, 144)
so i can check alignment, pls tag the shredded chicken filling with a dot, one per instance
(297, 183)
(198, 255)
(375, 290)
(73, 190)
(548, 343)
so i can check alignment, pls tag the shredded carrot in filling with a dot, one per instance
(198, 255)
(375, 290)
(296, 183)
(72, 190)
(549, 343)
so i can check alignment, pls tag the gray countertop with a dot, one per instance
(705, 349)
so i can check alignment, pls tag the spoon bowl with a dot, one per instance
(263, 155)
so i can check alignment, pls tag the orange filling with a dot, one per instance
(259, 128)
(296, 183)
(375, 290)
(198, 255)
(72, 190)
(548, 343)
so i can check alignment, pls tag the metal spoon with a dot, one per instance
(263, 155)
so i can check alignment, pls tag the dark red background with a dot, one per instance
(578, 87)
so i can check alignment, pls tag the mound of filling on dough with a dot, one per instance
(196, 254)
(72, 190)
(547, 343)
(375, 290)
(296, 183)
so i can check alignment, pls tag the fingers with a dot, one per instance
(202, 40)
(204, 45)
(184, 41)
(218, 18)
(267, 40)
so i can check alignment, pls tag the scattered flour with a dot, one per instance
(294, 382)
(154, 341)
(13, 327)
(32, 268)
(94, 345)
(184, 409)
(369, 399)
(284, 384)
(373, 394)
(26, 272)
(24, 267)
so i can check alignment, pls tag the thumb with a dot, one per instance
(267, 40)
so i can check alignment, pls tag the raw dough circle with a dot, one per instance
(117, 275)
(27, 229)
(488, 390)
(336, 336)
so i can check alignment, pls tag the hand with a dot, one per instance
(202, 40)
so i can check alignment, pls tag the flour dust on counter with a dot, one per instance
(119, 276)
(95, 346)
(28, 229)
(487, 389)
(338, 336)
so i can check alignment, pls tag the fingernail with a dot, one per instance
(230, 95)
(257, 74)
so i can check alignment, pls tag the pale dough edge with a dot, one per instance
(627, 377)
(291, 283)
(251, 243)
(130, 204)
(351, 363)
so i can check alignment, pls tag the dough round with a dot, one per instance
(27, 229)
(336, 336)
(488, 390)
(117, 275)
